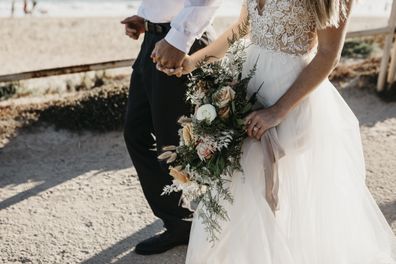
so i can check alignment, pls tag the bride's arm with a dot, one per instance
(217, 49)
(330, 44)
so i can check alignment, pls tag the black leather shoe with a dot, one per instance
(161, 243)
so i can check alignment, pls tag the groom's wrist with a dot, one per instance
(179, 40)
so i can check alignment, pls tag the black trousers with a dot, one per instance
(156, 101)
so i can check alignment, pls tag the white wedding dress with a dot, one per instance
(326, 214)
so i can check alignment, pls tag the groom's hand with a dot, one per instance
(134, 26)
(167, 56)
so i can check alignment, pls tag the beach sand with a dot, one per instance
(75, 198)
(34, 43)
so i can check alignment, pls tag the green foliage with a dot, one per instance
(88, 83)
(101, 109)
(357, 49)
(8, 90)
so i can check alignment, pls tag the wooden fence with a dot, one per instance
(66, 70)
(386, 75)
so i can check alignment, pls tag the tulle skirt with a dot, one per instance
(326, 214)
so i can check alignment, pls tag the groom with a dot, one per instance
(172, 29)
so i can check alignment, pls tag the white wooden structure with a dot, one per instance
(388, 71)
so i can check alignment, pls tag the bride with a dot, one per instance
(323, 212)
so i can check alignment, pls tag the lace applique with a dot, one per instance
(284, 26)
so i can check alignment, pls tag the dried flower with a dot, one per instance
(178, 174)
(172, 158)
(183, 120)
(188, 135)
(169, 148)
(166, 155)
(224, 113)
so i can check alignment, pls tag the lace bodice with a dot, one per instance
(284, 26)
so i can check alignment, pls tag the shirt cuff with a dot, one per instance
(179, 40)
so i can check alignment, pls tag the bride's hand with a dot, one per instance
(187, 67)
(258, 122)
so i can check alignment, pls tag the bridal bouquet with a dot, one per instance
(211, 139)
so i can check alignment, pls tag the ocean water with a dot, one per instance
(128, 7)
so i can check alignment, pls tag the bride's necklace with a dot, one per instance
(260, 6)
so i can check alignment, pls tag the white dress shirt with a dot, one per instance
(189, 18)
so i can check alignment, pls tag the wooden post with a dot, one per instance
(387, 52)
(392, 68)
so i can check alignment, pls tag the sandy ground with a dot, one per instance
(33, 43)
(36, 43)
(75, 198)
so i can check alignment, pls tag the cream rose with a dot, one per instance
(206, 112)
(178, 174)
(188, 135)
(224, 96)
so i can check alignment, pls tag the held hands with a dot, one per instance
(134, 26)
(167, 58)
(258, 122)
(188, 65)
(171, 60)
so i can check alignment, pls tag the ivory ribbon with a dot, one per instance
(273, 151)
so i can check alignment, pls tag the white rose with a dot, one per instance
(206, 112)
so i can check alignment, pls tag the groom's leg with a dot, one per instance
(156, 101)
(168, 104)
(140, 144)
(139, 127)
(166, 98)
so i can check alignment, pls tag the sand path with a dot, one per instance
(75, 198)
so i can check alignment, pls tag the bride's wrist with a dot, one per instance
(194, 61)
(278, 112)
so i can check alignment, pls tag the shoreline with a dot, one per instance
(83, 8)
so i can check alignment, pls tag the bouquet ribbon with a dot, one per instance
(273, 151)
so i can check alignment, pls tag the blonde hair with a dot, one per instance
(328, 13)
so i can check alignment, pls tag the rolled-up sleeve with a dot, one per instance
(191, 23)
